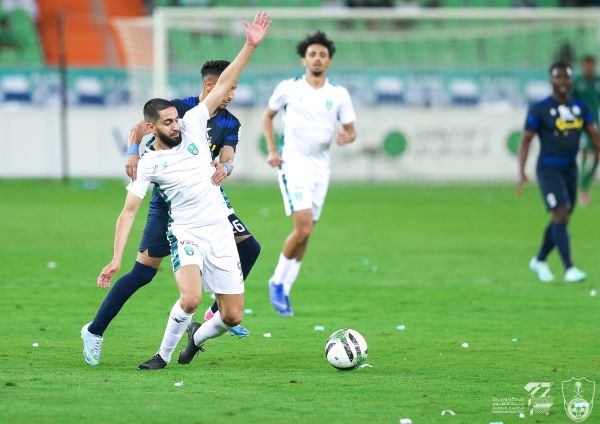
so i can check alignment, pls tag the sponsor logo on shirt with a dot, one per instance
(568, 118)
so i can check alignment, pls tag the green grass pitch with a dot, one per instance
(447, 262)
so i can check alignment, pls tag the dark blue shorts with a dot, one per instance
(154, 238)
(558, 185)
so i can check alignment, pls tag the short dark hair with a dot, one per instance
(316, 38)
(560, 65)
(588, 58)
(153, 107)
(214, 68)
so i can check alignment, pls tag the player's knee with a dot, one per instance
(560, 215)
(253, 248)
(189, 302)
(304, 230)
(232, 318)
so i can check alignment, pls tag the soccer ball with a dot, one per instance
(345, 349)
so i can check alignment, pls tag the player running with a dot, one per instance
(558, 121)
(312, 106)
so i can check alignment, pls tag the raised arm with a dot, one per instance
(523, 153)
(124, 224)
(255, 33)
(133, 145)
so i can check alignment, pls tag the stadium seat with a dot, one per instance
(28, 51)
(124, 8)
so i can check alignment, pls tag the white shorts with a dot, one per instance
(213, 249)
(303, 192)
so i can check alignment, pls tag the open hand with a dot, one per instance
(220, 173)
(107, 273)
(256, 32)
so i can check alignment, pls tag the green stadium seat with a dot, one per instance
(29, 51)
(548, 3)
(9, 57)
(453, 3)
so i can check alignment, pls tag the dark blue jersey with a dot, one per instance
(558, 126)
(222, 130)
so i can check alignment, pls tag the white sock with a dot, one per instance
(212, 328)
(290, 276)
(176, 325)
(281, 269)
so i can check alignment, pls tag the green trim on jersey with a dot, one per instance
(170, 236)
(174, 251)
(287, 192)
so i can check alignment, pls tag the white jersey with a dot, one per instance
(182, 175)
(309, 119)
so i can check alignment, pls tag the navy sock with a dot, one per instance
(248, 250)
(547, 244)
(128, 284)
(561, 240)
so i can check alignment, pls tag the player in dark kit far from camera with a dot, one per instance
(223, 134)
(558, 120)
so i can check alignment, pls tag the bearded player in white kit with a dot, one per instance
(203, 249)
(312, 105)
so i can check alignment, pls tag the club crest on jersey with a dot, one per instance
(328, 104)
(192, 149)
(189, 250)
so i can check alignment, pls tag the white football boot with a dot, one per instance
(541, 269)
(574, 275)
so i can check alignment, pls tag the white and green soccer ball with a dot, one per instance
(345, 349)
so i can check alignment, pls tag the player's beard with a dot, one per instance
(168, 140)
(317, 73)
